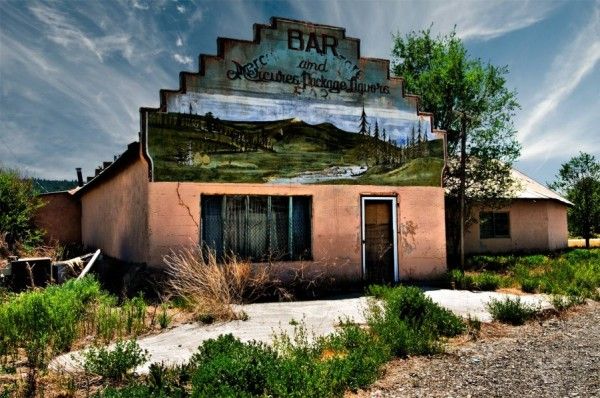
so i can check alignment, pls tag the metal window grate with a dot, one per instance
(259, 228)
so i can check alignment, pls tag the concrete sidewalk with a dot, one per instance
(319, 316)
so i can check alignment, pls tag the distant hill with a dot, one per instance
(44, 185)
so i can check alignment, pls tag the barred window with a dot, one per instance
(494, 225)
(258, 228)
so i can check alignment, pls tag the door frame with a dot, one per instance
(394, 202)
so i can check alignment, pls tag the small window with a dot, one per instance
(494, 225)
(258, 228)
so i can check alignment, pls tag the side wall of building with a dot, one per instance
(60, 217)
(558, 231)
(535, 225)
(115, 214)
(174, 222)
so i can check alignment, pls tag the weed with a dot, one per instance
(116, 363)
(487, 281)
(530, 285)
(168, 381)
(409, 322)
(512, 311)
(212, 287)
(164, 319)
(473, 327)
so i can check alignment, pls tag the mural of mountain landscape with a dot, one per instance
(203, 148)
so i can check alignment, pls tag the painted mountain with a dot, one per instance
(188, 147)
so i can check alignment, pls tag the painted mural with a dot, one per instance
(296, 105)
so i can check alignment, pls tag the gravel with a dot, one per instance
(557, 357)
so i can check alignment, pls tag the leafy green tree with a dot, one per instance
(579, 181)
(18, 204)
(464, 94)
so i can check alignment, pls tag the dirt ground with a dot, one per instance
(557, 357)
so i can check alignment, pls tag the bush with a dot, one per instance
(164, 319)
(18, 204)
(530, 285)
(512, 311)
(212, 287)
(488, 281)
(116, 363)
(134, 390)
(162, 382)
(45, 322)
(356, 355)
(227, 367)
(409, 322)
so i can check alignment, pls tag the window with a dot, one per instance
(258, 228)
(494, 224)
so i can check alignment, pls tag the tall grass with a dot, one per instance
(212, 287)
(40, 324)
(575, 273)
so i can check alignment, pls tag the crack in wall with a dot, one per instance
(182, 203)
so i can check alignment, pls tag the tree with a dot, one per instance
(18, 203)
(363, 123)
(466, 96)
(579, 181)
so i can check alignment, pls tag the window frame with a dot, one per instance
(493, 214)
(291, 254)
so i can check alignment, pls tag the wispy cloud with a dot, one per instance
(196, 16)
(571, 65)
(183, 59)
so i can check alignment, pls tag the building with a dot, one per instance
(289, 149)
(536, 220)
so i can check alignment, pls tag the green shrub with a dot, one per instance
(225, 366)
(168, 381)
(491, 263)
(461, 280)
(512, 311)
(116, 363)
(164, 319)
(162, 382)
(487, 281)
(45, 322)
(133, 313)
(409, 322)
(530, 285)
(18, 204)
(355, 354)
(134, 390)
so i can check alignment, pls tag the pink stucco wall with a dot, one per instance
(558, 232)
(535, 225)
(60, 217)
(114, 214)
(174, 218)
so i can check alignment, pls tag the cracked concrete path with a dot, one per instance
(266, 319)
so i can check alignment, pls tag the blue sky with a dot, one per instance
(73, 74)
